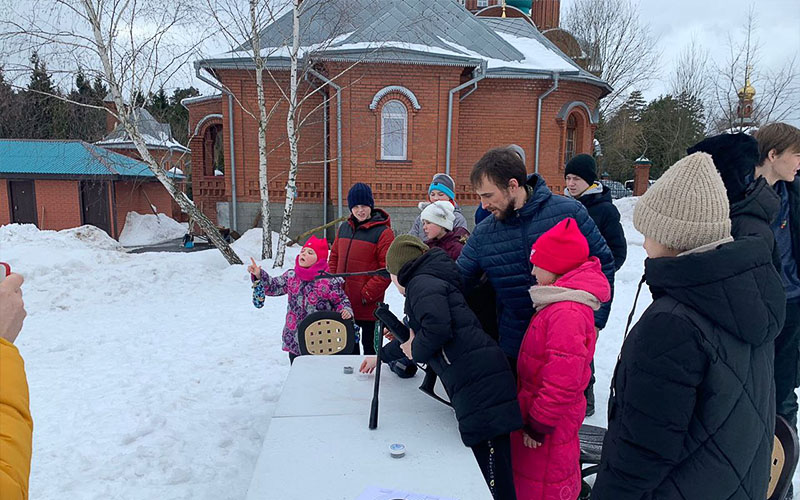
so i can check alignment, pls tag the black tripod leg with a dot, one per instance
(378, 339)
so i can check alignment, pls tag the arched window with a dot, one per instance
(213, 157)
(569, 150)
(394, 131)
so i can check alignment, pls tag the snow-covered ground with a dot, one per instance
(153, 376)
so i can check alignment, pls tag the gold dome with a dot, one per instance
(747, 92)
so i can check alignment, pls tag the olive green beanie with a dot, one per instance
(404, 249)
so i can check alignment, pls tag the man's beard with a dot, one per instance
(507, 212)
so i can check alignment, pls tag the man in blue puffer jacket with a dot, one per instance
(522, 208)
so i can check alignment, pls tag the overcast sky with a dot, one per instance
(675, 22)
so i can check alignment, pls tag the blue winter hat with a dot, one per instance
(360, 194)
(445, 184)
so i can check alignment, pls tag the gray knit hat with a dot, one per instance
(403, 249)
(687, 207)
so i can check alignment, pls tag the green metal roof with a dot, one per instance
(23, 156)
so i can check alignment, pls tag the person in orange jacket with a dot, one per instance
(16, 425)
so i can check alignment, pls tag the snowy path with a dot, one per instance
(153, 376)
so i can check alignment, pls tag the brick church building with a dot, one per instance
(397, 90)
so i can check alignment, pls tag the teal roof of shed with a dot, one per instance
(78, 158)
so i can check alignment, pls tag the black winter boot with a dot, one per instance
(589, 400)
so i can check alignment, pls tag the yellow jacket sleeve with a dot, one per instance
(16, 425)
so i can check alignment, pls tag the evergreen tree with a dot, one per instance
(86, 123)
(670, 124)
(179, 116)
(9, 109)
(41, 110)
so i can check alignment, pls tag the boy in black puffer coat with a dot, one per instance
(473, 369)
(580, 174)
(754, 204)
(692, 405)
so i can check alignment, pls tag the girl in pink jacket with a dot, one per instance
(553, 364)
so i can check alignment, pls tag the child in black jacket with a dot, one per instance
(447, 336)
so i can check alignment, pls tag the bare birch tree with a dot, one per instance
(129, 45)
(293, 134)
(301, 60)
(776, 88)
(241, 24)
(621, 49)
(691, 75)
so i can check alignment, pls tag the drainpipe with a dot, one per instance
(234, 221)
(338, 137)
(324, 152)
(453, 91)
(539, 119)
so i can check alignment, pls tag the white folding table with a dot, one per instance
(319, 446)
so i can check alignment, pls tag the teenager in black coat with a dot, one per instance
(692, 404)
(473, 369)
(754, 204)
(580, 175)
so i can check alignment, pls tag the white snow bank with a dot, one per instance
(148, 229)
(249, 245)
(83, 237)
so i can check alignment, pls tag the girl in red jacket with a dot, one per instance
(553, 364)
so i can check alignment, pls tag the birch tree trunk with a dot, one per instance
(263, 183)
(294, 137)
(126, 118)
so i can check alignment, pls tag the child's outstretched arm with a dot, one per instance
(266, 285)
(339, 298)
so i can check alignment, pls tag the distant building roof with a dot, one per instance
(433, 32)
(70, 158)
(156, 135)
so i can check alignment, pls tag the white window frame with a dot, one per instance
(483, 3)
(387, 113)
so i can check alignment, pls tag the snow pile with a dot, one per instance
(83, 237)
(150, 229)
(151, 375)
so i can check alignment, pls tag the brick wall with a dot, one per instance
(503, 111)
(499, 112)
(133, 196)
(165, 158)
(58, 204)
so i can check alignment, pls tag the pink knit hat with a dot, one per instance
(561, 249)
(320, 247)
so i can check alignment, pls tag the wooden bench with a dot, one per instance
(591, 438)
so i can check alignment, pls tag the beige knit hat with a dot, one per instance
(687, 207)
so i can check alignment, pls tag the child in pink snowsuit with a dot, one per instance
(553, 364)
(306, 295)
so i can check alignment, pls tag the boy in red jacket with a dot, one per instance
(553, 364)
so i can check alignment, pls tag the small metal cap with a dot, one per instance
(397, 450)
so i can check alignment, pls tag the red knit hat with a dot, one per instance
(320, 247)
(561, 249)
